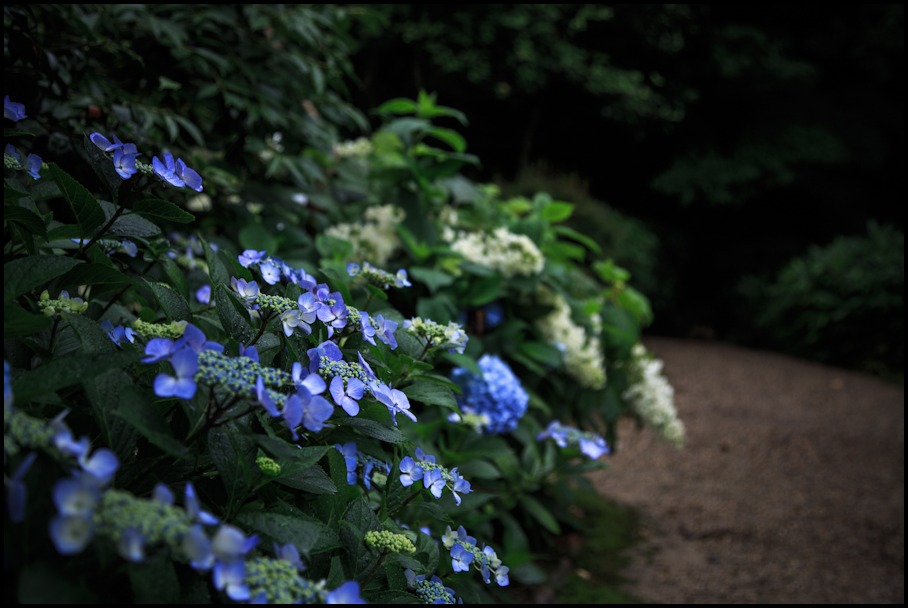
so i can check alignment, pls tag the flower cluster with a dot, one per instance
(63, 303)
(652, 397)
(378, 277)
(356, 148)
(465, 553)
(125, 160)
(172, 330)
(496, 396)
(372, 470)
(510, 254)
(274, 269)
(591, 445)
(434, 476)
(31, 164)
(385, 541)
(375, 237)
(583, 358)
(435, 335)
(350, 381)
(432, 591)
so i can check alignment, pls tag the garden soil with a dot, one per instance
(790, 488)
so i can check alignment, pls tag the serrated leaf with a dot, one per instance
(307, 534)
(159, 209)
(375, 429)
(85, 207)
(234, 456)
(95, 274)
(431, 393)
(30, 221)
(233, 315)
(432, 278)
(92, 337)
(19, 322)
(174, 306)
(134, 226)
(540, 513)
(22, 275)
(67, 371)
(142, 415)
(556, 211)
(107, 393)
(312, 479)
(216, 269)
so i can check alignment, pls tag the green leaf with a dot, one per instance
(556, 211)
(312, 479)
(142, 415)
(154, 580)
(233, 315)
(479, 469)
(397, 106)
(30, 221)
(174, 306)
(132, 225)
(432, 278)
(540, 513)
(92, 337)
(107, 393)
(176, 276)
(541, 352)
(256, 236)
(431, 393)
(24, 274)
(579, 237)
(18, 322)
(68, 371)
(216, 269)
(159, 209)
(98, 275)
(450, 137)
(308, 534)
(371, 428)
(234, 456)
(85, 207)
(464, 361)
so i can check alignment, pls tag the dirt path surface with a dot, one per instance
(790, 488)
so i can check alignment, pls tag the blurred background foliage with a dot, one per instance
(706, 147)
(730, 143)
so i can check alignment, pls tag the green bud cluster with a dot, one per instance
(437, 335)
(24, 431)
(156, 521)
(377, 276)
(269, 466)
(433, 592)
(238, 375)
(280, 582)
(62, 304)
(386, 541)
(276, 304)
(328, 369)
(172, 331)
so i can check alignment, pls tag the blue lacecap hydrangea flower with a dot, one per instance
(496, 395)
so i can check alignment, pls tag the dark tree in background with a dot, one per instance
(741, 135)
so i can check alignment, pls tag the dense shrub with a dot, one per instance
(234, 364)
(842, 303)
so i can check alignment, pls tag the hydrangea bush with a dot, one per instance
(305, 400)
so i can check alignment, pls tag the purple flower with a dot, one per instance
(435, 482)
(271, 274)
(131, 545)
(16, 491)
(264, 398)
(230, 577)
(349, 452)
(325, 349)
(203, 294)
(194, 509)
(348, 593)
(410, 472)
(33, 165)
(71, 533)
(395, 400)
(250, 257)
(12, 110)
(189, 176)
(167, 170)
(314, 383)
(101, 466)
(385, 331)
(347, 394)
(366, 328)
(159, 349)
(124, 164)
(461, 558)
(289, 553)
(185, 364)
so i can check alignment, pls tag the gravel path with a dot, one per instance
(790, 488)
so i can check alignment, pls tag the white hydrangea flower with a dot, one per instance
(583, 358)
(357, 148)
(504, 251)
(375, 237)
(652, 397)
